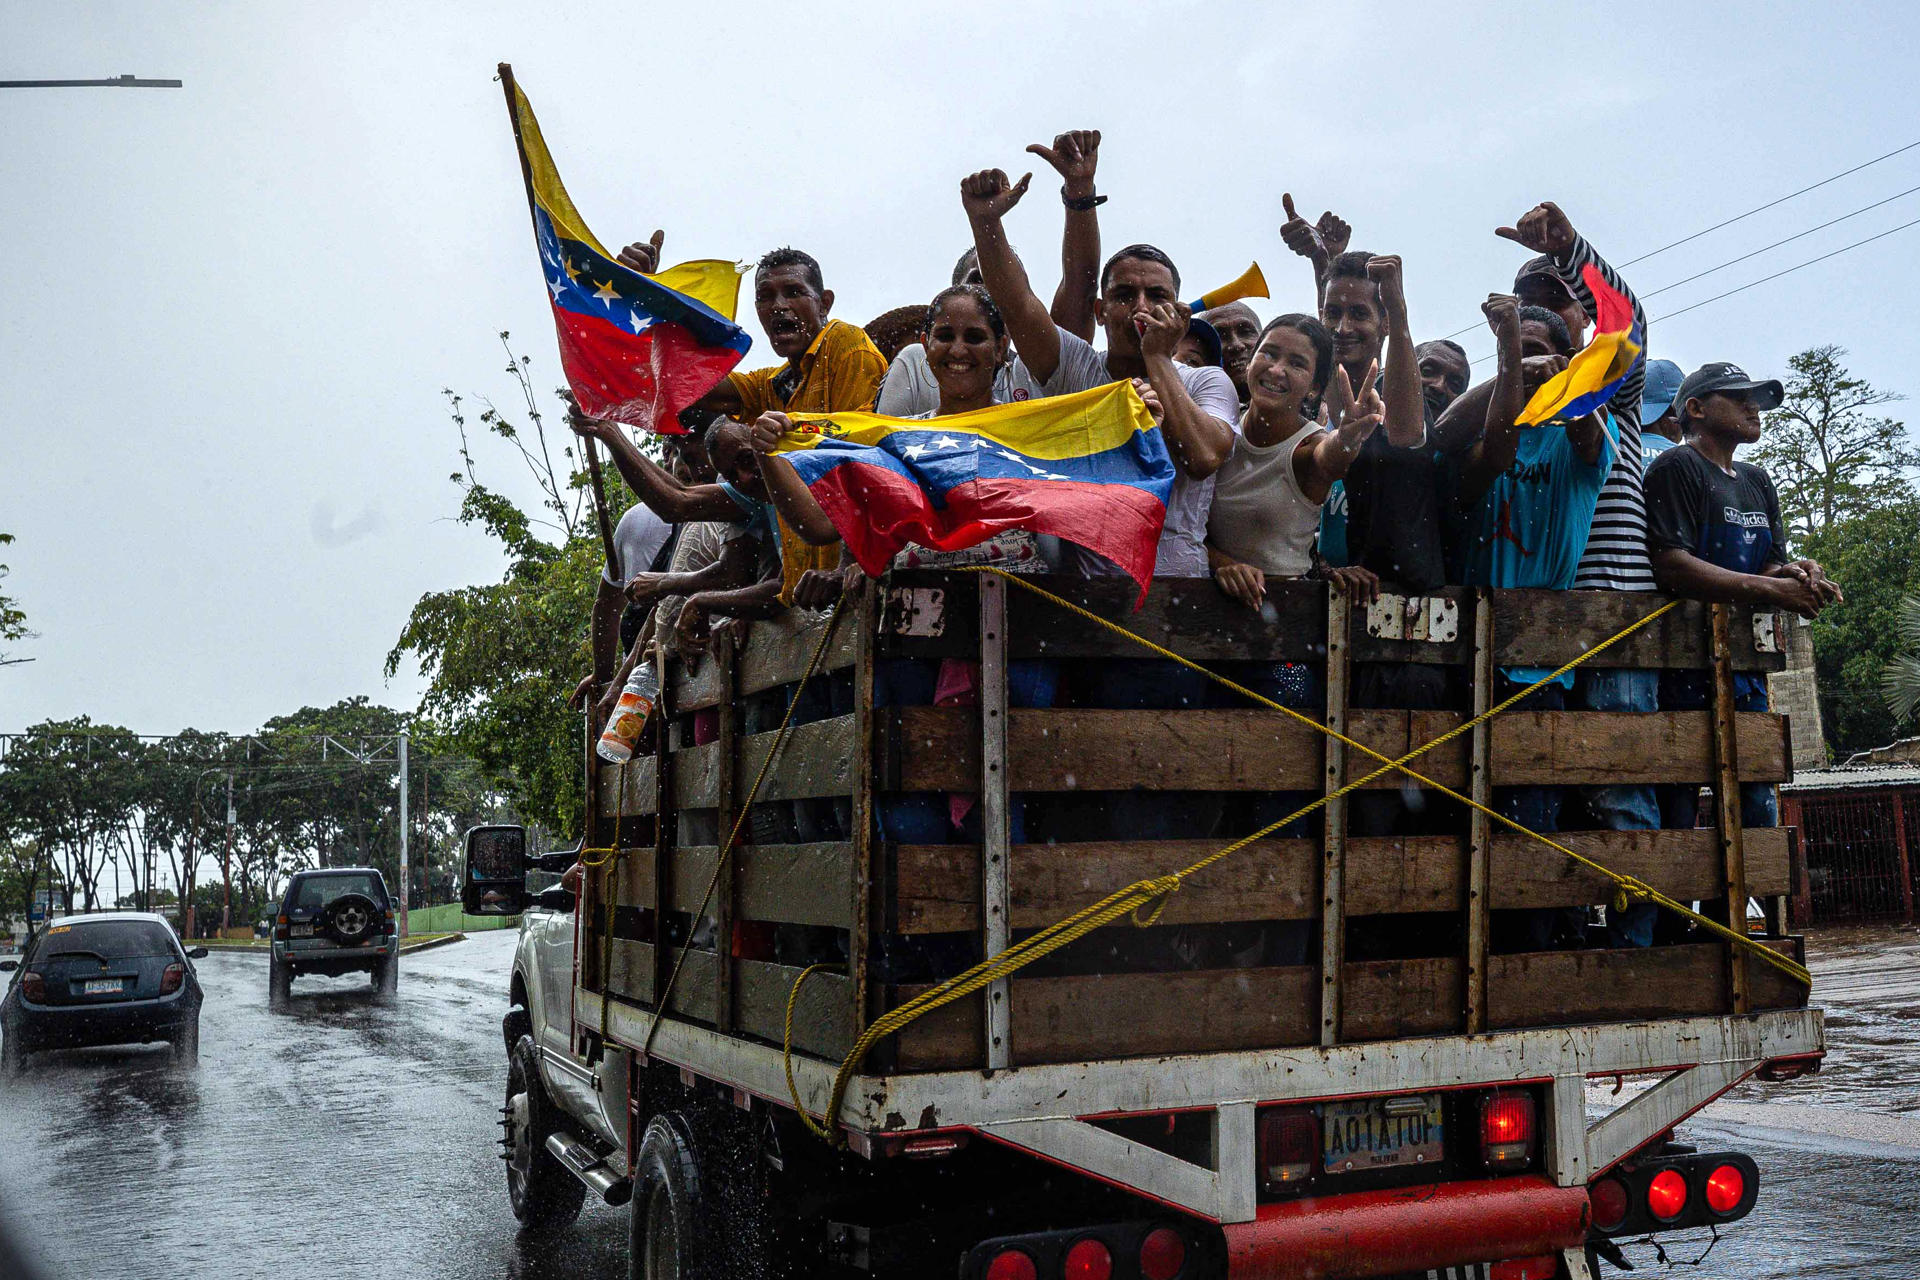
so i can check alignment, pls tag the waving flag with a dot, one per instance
(1090, 468)
(1595, 372)
(636, 349)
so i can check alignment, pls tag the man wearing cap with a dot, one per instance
(1659, 415)
(1714, 533)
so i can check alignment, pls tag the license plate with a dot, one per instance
(103, 986)
(1381, 1133)
(302, 931)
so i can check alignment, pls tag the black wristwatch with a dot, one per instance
(1083, 204)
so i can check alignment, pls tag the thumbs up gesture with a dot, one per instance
(1543, 229)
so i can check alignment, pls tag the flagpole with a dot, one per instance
(599, 485)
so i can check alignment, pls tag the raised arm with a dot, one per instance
(987, 196)
(790, 495)
(1074, 155)
(1198, 441)
(1406, 421)
(1329, 455)
(1499, 442)
(1319, 243)
(672, 501)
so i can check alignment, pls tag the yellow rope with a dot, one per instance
(1154, 893)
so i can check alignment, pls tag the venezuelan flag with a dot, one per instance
(1090, 468)
(636, 349)
(1596, 370)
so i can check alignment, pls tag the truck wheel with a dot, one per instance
(700, 1207)
(545, 1196)
(517, 1023)
(186, 1045)
(279, 984)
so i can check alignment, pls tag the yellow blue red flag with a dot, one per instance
(636, 349)
(1597, 369)
(1090, 468)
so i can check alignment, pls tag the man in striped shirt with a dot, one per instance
(1615, 558)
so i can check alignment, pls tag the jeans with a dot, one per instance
(1693, 691)
(1536, 809)
(1623, 808)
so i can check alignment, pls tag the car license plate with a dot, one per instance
(302, 931)
(104, 986)
(1381, 1133)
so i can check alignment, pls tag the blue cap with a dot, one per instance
(1663, 383)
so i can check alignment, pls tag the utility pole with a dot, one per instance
(226, 865)
(406, 873)
(117, 82)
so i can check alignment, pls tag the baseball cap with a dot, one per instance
(1208, 337)
(1663, 380)
(1540, 266)
(1729, 379)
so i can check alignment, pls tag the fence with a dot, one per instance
(446, 918)
(1857, 826)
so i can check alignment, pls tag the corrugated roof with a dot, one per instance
(1849, 777)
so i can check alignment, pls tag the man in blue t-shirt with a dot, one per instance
(1529, 494)
(1714, 533)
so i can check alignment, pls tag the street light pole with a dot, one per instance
(226, 866)
(406, 874)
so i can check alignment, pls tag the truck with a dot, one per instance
(1328, 1053)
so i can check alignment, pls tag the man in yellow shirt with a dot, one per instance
(831, 367)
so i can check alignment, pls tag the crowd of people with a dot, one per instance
(1323, 443)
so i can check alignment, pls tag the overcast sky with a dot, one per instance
(227, 311)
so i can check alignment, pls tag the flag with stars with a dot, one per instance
(636, 349)
(1090, 468)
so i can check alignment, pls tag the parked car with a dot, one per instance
(335, 921)
(119, 978)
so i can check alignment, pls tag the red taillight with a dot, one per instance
(1543, 1268)
(33, 986)
(1610, 1203)
(171, 978)
(1726, 1188)
(1289, 1144)
(1667, 1195)
(1088, 1260)
(1011, 1264)
(1162, 1254)
(1506, 1128)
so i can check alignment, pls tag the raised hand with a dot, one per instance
(1502, 311)
(588, 428)
(767, 430)
(1537, 370)
(1074, 155)
(1334, 233)
(1385, 272)
(1338, 397)
(644, 258)
(1161, 328)
(1301, 237)
(988, 194)
(1364, 412)
(1543, 229)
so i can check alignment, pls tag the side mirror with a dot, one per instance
(496, 877)
(8, 966)
(198, 953)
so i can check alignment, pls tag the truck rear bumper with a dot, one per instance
(1411, 1229)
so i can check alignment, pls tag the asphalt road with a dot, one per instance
(344, 1138)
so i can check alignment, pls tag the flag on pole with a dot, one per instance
(636, 349)
(1090, 468)
(1597, 369)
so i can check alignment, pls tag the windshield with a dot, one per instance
(315, 892)
(108, 939)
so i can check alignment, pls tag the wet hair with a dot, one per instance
(1550, 321)
(718, 427)
(788, 256)
(1141, 253)
(1322, 339)
(968, 262)
(1352, 265)
(979, 295)
(1449, 344)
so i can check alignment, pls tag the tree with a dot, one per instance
(1829, 455)
(1875, 557)
(13, 619)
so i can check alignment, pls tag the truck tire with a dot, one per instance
(349, 918)
(700, 1206)
(517, 1023)
(186, 1045)
(279, 984)
(544, 1195)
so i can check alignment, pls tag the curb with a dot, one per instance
(406, 948)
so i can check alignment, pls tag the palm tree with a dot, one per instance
(1900, 681)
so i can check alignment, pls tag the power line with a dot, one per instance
(1798, 235)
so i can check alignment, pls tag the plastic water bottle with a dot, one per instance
(630, 715)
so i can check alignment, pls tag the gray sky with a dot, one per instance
(227, 311)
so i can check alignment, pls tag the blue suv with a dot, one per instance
(335, 921)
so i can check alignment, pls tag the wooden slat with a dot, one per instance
(1681, 864)
(797, 883)
(951, 1038)
(776, 651)
(817, 760)
(1132, 1014)
(1597, 748)
(633, 884)
(632, 970)
(696, 777)
(1190, 616)
(639, 795)
(1388, 999)
(1548, 628)
(693, 994)
(1552, 988)
(705, 686)
(1392, 874)
(822, 1017)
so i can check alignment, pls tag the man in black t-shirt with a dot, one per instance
(1714, 533)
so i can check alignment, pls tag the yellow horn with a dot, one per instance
(1251, 284)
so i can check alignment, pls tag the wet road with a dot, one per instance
(348, 1138)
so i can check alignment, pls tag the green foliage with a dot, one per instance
(13, 619)
(1900, 681)
(1875, 557)
(1830, 457)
